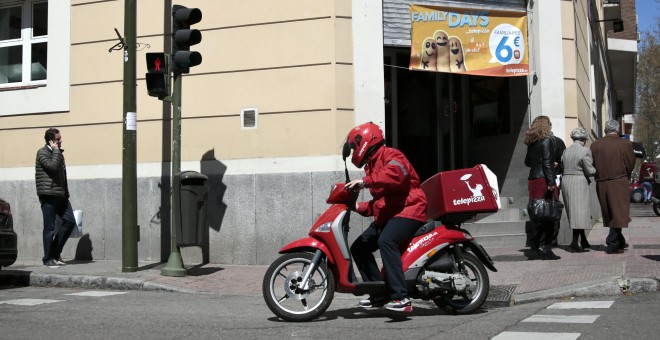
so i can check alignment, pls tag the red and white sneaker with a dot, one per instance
(372, 302)
(402, 305)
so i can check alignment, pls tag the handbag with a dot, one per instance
(544, 210)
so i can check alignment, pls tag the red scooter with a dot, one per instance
(442, 262)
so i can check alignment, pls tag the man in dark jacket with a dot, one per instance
(614, 160)
(53, 192)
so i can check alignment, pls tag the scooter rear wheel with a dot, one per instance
(475, 296)
(286, 299)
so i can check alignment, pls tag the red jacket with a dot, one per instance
(394, 186)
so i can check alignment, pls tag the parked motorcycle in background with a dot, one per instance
(442, 263)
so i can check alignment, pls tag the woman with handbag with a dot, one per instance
(578, 167)
(541, 183)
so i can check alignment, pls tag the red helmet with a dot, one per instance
(364, 140)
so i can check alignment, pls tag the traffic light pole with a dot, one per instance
(174, 265)
(182, 59)
(129, 227)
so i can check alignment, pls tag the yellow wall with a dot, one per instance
(576, 54)
(290, 59)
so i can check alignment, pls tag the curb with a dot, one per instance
(612, 286)
(85, 281)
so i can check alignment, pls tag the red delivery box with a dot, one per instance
(463, 191)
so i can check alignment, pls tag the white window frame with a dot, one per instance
(26, 40)
(51, 95)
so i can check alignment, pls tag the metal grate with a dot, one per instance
(249, 118)
(500, 296)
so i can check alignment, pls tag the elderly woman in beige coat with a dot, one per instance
(578, 167)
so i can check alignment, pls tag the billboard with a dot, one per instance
(468, 41)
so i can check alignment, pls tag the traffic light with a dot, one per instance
(183, 37)
(158, 75)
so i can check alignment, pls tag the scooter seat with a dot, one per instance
(430, 225)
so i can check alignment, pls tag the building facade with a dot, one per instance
(266, 113)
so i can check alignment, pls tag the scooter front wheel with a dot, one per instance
(283, 292)
(656, 208)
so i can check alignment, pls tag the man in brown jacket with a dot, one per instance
(614, 160)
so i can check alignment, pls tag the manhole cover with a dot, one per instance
(500, 296)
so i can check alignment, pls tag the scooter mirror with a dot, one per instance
(346, 151)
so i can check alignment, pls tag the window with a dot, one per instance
(23, 43)
(46, 41)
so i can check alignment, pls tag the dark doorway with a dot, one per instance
(445, 121)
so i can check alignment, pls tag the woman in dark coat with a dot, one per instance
(541, 183)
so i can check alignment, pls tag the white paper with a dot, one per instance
(131, 121)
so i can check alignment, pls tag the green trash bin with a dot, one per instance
(191, 217)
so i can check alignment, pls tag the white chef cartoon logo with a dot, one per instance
(477, 196)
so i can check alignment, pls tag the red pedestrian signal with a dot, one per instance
(158, 75)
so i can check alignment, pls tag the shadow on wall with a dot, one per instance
(215, 171)
(84, 249)
(216, 208)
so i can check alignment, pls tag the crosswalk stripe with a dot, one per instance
(562, 318)
(536, 336)
(582, 305)
(28, 302)
(96, 293)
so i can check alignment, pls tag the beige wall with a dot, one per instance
(577, 64)
(292, 60)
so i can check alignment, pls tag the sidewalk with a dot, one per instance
(518, 279)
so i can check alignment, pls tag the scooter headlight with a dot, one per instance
(324, 228)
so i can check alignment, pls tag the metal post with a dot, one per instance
(174, 265)
(129, 174)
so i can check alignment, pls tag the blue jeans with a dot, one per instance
(52, 206)
(648, 190)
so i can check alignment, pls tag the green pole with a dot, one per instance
(174, 265)
(129, 229)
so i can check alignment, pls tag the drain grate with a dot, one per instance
(500, 296)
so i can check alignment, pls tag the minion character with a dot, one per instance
(441, 50)
(456, 56)
(428, 55)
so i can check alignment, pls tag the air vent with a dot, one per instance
(249, 118)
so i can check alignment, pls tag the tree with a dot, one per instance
(647, 118)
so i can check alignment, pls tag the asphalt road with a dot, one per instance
(30, 312)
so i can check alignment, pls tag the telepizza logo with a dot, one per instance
(477, 196)
(423, 241)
